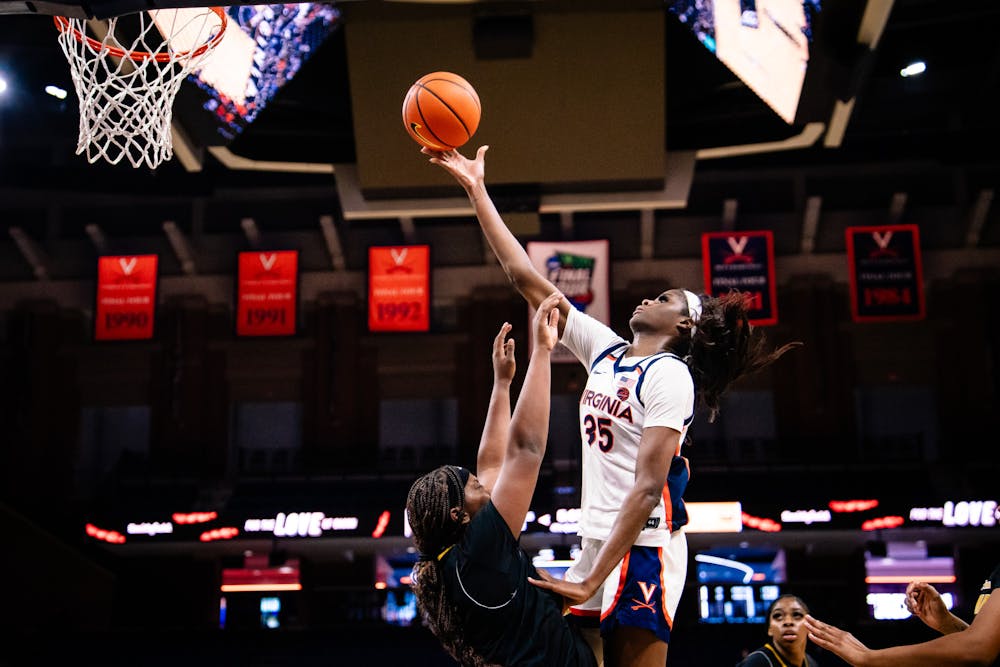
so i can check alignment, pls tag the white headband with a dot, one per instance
(694, 307)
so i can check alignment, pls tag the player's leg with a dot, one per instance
(635, 647)
(587, 616)
(637, 616)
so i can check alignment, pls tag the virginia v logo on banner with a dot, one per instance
(742, 261)
(886, 273)
(125, 297)
(267, 293)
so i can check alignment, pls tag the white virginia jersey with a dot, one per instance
(622, 397)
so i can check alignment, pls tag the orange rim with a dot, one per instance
(64, 26)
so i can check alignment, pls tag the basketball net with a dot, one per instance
(126, 88)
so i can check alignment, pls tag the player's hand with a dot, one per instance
(467, 172)
(550, 579)
(837, 641)
(546, 322)
(573, 593)
(503, 356)
(923, 601)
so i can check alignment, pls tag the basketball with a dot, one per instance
(441, 111)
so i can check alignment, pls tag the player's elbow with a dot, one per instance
(527, 281)
(528, 443)
(519, 278)
(648, 493)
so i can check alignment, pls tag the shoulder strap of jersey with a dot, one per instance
(609, 352)
(649, 361)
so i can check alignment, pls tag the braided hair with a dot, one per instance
(428, 507)
(724, 348)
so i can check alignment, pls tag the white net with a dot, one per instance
(127, 87)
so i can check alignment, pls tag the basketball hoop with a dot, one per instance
(127, 90)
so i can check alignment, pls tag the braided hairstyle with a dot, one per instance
(434, 530)
(724, 348)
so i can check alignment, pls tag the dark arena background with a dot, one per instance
(213, 397)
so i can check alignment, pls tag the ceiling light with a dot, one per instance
(56, 91)
(913, 69)
(3, 85)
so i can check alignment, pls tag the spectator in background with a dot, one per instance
(962, 644)
(787, 636)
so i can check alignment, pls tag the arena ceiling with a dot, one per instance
(919, 149)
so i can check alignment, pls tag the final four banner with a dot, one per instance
(399, 289)
(580, 270)
(266, 297)
(126, 297)
(742, 261)
(886, 271)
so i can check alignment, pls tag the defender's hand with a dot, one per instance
(546, 322)
(503, 356)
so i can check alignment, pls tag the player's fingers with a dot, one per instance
(541, 584)
(498, 342)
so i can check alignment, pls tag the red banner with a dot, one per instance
(266, 293)
(126, 297)
(886, 271)
(742, 261)
(399, 288)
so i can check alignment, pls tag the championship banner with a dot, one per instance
(887, 281)
(267, 293)
(126, 297)
(580, 270)
(742, 261)
(399, 288)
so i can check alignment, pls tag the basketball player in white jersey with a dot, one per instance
(634, 413)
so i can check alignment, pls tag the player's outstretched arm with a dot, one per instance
(471, 175)
(978, 646)
(493, 443)
(652, 465)
(529, 426)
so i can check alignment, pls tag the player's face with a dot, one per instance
(661, 314)
(785, 625)
(476, 496)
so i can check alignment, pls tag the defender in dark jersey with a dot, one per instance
(962, 644)
(472, 578)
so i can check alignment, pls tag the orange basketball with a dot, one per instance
(441, 111)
